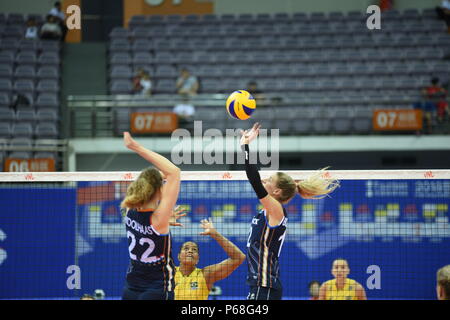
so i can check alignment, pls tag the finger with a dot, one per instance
(181, 215)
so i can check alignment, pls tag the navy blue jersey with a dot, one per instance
(263, 249)
(151, 262)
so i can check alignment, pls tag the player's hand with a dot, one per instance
(208, 227)
(129, 142)
(248, 136)
(177, 213)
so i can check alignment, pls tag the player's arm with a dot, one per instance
(219, 271)
(360, 292)
(170, 190)
(273, 207)
(323, 292)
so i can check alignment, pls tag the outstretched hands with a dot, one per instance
(178, 212)
(248, 136)
(129, 142)
(208, 227)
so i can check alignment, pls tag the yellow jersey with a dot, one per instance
(348, 292)
(191, 287)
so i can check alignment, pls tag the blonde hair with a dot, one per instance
(315, 186)
(443, 279)
(141, 190)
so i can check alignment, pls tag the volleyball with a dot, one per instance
(240, 105)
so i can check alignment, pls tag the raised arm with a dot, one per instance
(170, 190)
(273, 208)
(323, 292)
(223, 269)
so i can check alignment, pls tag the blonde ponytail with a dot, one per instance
(317, 186)
(141, 190)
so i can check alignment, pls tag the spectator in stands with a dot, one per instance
(187, 84)
(443, 283)
(444, 12)
(51, 29)
(32, 30)
(313, 288)
(434, 102)
(146, 84)
(87, 297)
(20, 100)
(59, 18)
(142, 83)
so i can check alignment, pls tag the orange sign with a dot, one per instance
(29, 165)
(165, 7)
(396, 120)
(153, 122)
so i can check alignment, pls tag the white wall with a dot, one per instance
(289, 6)
(26, 6)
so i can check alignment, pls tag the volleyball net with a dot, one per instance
(62, 234)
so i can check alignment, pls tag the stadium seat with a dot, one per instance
(121, 87)
(48, 72)
(22, 130)
(46, 130)
(25, 72)
(47, 86)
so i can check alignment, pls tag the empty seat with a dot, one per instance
(121, 72)
(165, 71)
(7, 57)
(7, 115)
(321, 125)
(26, 58)
(28, 45)
(119, 45)
(24, 86)
(5, 130)
(47, 100)
(47, 115)
(118, 32)
(6, 71)
(25, 72)
(46, 130)
(50, 46)
(23, 116)
(22, 130)
(165, 86)
(142, 45)
(48, 86)
(49, 58)
(142, 58)
(121, 58)
(10, 44)
(48, 72)
(121, 87)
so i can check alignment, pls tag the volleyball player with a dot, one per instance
(192, 283)
(443, 283)
(148, 208)
(268, 228)
(341, 287)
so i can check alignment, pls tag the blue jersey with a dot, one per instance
(151, 263)
(263, 249)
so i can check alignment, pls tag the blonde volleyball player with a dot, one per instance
(192, 283)
(341, 287)
(268, 228)
(148, 210)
